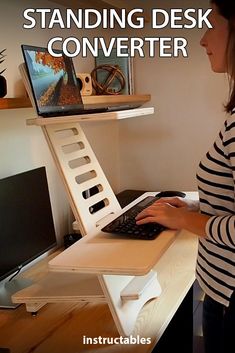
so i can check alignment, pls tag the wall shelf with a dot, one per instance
(14, 103)
(24, 102)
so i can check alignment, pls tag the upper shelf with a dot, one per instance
(14, 103)
(117, 115)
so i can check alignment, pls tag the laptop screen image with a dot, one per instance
(53, 82)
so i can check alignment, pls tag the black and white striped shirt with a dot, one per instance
(216, 184)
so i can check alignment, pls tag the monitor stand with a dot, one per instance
(7, 289)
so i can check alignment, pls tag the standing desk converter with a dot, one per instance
(101, 268)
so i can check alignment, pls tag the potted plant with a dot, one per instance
(3, 82)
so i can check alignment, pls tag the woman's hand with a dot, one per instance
(167, 214)
(190, 205)
(175, 213)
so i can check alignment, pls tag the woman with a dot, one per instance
(213, 218)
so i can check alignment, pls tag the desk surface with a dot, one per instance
(59, 328)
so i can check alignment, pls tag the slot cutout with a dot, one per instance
(73, 147)
(79, 162)
(98, 206)
(85, 177)
(66, 133)
(92, 191)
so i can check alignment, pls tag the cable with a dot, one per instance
(15, 274)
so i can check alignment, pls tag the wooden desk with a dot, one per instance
(59, 328)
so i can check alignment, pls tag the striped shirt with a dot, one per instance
(216, 185)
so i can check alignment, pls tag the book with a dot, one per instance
(125, 64)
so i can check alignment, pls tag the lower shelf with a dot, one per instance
(62, 287)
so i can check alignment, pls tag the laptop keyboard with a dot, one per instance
(126, 223)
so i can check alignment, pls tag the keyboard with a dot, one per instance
(126, 224)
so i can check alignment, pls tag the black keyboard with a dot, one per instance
(126, 223)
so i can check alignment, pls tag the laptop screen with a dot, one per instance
(53, 82)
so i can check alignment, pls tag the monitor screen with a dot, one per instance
(53, 81)
(26, 222)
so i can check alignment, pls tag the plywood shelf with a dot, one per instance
(123, 114)
(24, 102)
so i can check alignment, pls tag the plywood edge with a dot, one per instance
(60, 287)
(118, 115)
(118, 99)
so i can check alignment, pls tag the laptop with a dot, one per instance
(53, 86)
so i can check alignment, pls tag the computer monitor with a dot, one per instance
(26, 225)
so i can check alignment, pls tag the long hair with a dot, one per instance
(227, 10)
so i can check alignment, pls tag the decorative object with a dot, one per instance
(3, 82)
(85, 83)
(113, 75)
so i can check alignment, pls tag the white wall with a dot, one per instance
(23, 148)
(162, 152)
